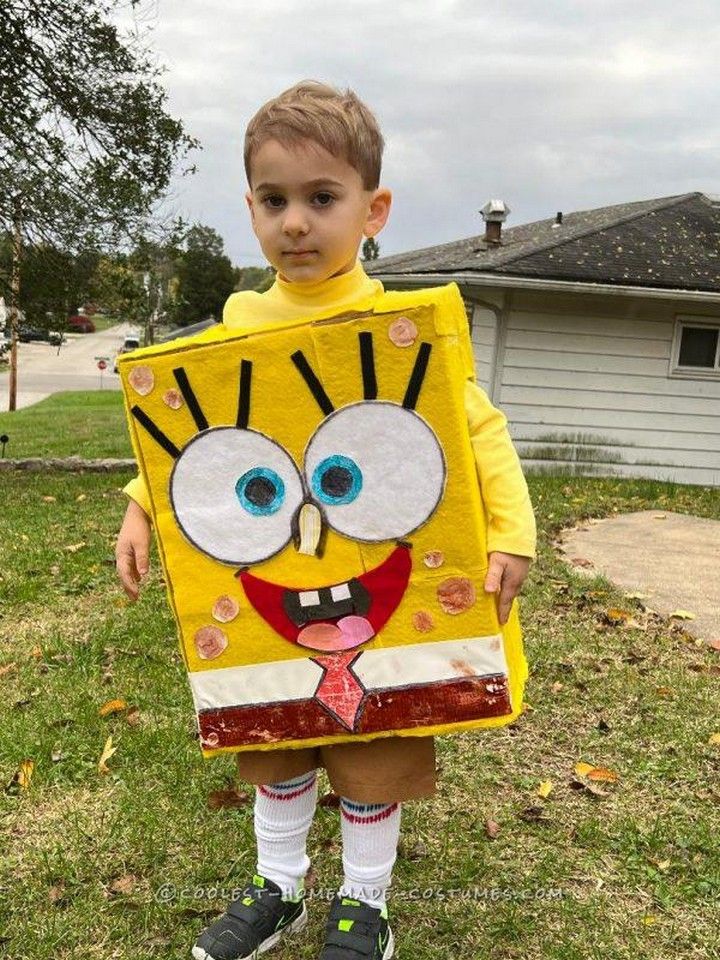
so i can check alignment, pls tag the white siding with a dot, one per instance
(586, 388)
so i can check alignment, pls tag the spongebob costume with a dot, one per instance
(324, 539)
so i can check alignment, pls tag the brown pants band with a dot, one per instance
(386, 770)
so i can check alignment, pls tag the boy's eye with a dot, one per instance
(273, 200)
(324, 199)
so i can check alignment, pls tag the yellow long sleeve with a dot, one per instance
(511, 521)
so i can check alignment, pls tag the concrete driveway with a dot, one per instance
(43, 370)
(672, 558)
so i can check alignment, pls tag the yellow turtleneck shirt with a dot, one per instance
(511, 522)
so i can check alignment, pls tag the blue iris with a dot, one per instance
(260, 491)
(337, 479)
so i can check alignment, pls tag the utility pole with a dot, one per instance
(15, 300)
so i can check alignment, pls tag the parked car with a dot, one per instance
(131, 342)
(81, 324)
(27, 334)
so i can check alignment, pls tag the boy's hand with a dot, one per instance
(506, 574)
(132, 549)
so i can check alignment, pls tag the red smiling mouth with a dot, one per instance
(338, 616)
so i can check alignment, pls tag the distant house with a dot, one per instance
(596, 332)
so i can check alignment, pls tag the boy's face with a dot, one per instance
(310, 210)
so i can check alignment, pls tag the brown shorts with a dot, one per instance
(386, 770)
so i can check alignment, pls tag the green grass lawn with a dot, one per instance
(631, 875)
(87, 424)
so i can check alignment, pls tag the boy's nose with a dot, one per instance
(295, 223)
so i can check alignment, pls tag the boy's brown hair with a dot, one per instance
(339, 122)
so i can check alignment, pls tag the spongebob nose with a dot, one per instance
(309, 528)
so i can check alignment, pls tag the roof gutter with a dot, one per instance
(559, 286)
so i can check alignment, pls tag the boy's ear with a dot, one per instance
(249, 201)
(379, 211)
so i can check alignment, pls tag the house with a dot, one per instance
(596, 332)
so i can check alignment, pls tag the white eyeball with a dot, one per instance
(234, 493)
(377, 469)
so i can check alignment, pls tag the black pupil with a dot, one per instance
(260, 491)
(336, 481)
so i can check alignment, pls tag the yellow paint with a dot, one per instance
(283, 408)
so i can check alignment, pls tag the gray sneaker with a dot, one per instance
(252, 924)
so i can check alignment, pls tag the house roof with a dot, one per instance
(670, 242)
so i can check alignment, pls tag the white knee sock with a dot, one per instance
(370, 833)
(283, 815)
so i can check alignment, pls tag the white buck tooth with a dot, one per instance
(340, 592)
(309, 598)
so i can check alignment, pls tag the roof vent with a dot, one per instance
(494, 213)
(558, 219)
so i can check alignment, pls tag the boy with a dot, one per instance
(312, 158)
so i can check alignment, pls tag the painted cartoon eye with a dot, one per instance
(234, 493)
(337, 479)
(377, 468)
(260, 491)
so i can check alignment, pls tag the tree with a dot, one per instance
(86, 145)
(370, 249)
(205, 276)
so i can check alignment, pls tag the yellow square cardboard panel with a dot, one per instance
(316, 504)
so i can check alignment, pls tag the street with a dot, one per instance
(43, 369)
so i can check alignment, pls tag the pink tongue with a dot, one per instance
(349, 632)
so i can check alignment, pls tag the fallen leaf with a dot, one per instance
(108, 751)
(714, 644)
(682, 615)
(660, 516)
(112, 706)
(582, 769)
(492, 829)
(49, 499)
(649, 920)
(545, 789)
(581, 562)
(557, 687)
(36, 652)
(615, 616)
(602, 774)
(123, 885)
(57, 892)
(6, 668)
(715, 739)
(533, 814)
(664, 691)
(56, 755)
(74, 547)
(133, 716)
(80, 497)
(637, 596)
(223, 799)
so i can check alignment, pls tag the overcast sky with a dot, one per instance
(547, 105)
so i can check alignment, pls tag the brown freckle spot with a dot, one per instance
(403, 332)
(225, 609)
(210, 642)
(434, 558)
(463, 667)
(142, 380)
(173, 398)
(456, 595)
(423, 621)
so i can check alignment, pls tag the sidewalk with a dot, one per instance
(671, 557)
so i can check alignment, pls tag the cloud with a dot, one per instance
(550, 106)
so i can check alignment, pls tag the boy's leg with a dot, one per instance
(283, 816)
(370, 833)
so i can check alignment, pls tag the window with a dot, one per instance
(697, 347)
